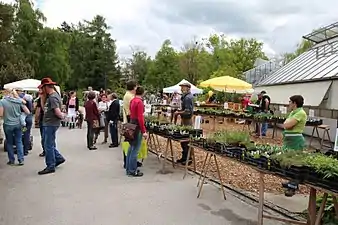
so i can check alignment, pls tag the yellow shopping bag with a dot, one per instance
(143, 153)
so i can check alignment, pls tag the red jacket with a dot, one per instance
(136, 112)
(92, 113)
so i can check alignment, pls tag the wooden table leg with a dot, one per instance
(205, 175)
(274, 130)
(163, 170)
(157, 141)
(203, 168)
(186, 163)
(219, 177)
(172, 153)
(312, 207)
(321, 210)
(261, 198)
(335, 203)
(194, 158)
(312, 136)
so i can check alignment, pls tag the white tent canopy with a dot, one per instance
(177, 88)
(27, 85)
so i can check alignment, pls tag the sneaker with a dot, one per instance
(21, 163)
(189, 162)
(289, 192)
(46, 171)
(92, 148)
(180, 160)
(42, 154)
(58, 163)
(136, 174)
(10, 163)
(139, 164)
(113, 146)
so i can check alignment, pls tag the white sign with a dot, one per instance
(147, 108)
(226, 105)
(311, 113)
(336, 142)
(284, 110)
(197, 124)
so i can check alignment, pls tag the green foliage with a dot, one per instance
(84, 54)
(302, 47)
(329, 217)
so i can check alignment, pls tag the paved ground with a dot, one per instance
(91, 188)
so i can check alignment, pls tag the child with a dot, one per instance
(72, 108)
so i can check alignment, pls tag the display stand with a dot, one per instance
(169, 146)
(191, 152)
(314, 218)
(205, 170)
(153, 142)
(315, 135)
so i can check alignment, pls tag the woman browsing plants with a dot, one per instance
(136, 117)
(294, 124)
(293, 138)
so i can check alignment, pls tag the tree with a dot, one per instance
(28, 23)
(12, 63)
(302, 47)
(54, 59)
(165, 69)
(137, 67)
(103, 57)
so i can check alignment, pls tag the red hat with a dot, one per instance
(46, 81)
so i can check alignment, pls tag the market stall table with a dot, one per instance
(205, 169)
(313, 217)
(154, 142)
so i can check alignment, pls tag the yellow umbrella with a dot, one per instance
(228, 84)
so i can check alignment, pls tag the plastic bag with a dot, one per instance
(142, 154)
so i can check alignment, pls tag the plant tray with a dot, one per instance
(317, 180)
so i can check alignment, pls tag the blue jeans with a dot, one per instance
(42, 134)
(131, 161)
(13, 135)
(264, 129)
(27, 133)
(52, 154)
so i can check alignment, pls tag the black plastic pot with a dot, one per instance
(196, 132)
(299, 173)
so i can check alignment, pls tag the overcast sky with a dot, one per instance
(147, 23)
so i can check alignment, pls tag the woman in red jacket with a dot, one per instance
(92, 114)
(136, 117)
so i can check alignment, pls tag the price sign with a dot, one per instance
(283, 110)
(311, 113)
(147, 108)
(197, 124)
(336, 142)
(226, 105)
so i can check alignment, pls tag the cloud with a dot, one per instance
(147, 23)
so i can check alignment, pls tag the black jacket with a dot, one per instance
(113, 113)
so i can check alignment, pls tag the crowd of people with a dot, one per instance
(103, 111)
(16, 108)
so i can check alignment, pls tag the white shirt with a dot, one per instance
(103, 106)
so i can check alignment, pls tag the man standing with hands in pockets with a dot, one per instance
(51, 122)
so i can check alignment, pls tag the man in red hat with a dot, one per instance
(51, 122)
